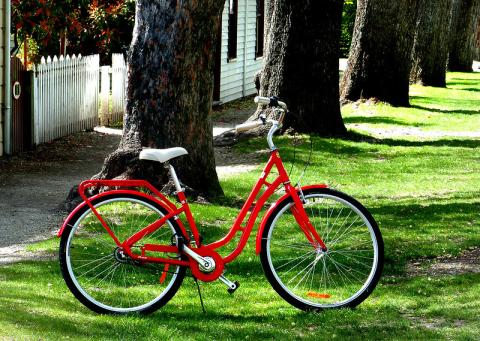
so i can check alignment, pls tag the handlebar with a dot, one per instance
(272, 102)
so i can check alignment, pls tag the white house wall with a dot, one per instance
(236, 77)
(2, 69)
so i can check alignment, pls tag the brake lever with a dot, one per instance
(263, 118)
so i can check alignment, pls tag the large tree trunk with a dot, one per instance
(169, 92)
(301, 64)
(465, 14)
(431, 44)
(380, 57)
(477, 40)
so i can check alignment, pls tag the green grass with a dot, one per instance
(424, 193)
(453, 109)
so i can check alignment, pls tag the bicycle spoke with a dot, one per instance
(90, 261)
(301, 256)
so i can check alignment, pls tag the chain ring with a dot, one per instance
(211, 275)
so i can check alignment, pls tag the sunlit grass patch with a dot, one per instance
(452, 109)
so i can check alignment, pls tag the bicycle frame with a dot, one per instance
(174, 211)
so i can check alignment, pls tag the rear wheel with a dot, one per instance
(309, 278)
(101, 275)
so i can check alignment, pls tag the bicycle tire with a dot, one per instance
(342, 281)
(142, 290)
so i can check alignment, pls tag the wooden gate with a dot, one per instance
(21, 108)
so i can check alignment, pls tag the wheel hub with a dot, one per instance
(320, 254)
(120, 255)
(208, 266)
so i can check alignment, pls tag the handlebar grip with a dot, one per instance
(248, 126)
(262, 100)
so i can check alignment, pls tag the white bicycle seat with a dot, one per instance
(162, 155)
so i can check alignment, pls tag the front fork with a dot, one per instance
(298, 211)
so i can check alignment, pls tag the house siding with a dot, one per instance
(2, 71)
(237, 76)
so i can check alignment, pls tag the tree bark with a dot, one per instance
(465, 14)
(301, 63)
(169, 93)
(380, 57)
(431, 44)
(477, 40)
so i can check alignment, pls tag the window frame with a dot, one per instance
(232, 30)
(260, 30)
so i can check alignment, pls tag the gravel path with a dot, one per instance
(33, 186)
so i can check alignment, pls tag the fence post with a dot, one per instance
(34, 105)
(118, 87)
(104, 94)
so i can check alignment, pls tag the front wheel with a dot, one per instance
(312, 279)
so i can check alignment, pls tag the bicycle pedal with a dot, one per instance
(231, 290)
(232, 286)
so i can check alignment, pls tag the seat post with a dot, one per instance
(173, 174)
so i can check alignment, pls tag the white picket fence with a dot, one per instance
(65, 96)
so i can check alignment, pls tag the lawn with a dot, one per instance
(423, 192)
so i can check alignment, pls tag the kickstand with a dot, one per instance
(200, 295)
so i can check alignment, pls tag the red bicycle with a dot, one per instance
(127, 250)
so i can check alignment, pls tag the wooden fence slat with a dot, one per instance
(118, 87)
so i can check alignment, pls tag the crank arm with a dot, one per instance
(196, 257)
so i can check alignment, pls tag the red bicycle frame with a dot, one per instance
(174, 211)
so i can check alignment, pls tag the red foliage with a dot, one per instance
(83, 20)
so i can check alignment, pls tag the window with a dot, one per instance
(232, 29)
(260, 28)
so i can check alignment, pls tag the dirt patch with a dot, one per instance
(17, 253)
(466, 262)
(434, 323)
(231, 163)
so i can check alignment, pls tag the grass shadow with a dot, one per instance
(374, 120)
(423, 102)
(462, 84)
(408, 230)
(456, 143)
(443, 111)
(471, 89)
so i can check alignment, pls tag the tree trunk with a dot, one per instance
(301, 64)
(477, 40)
(431, 44)
(169, 93)
(380, 57)
(464, 18)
